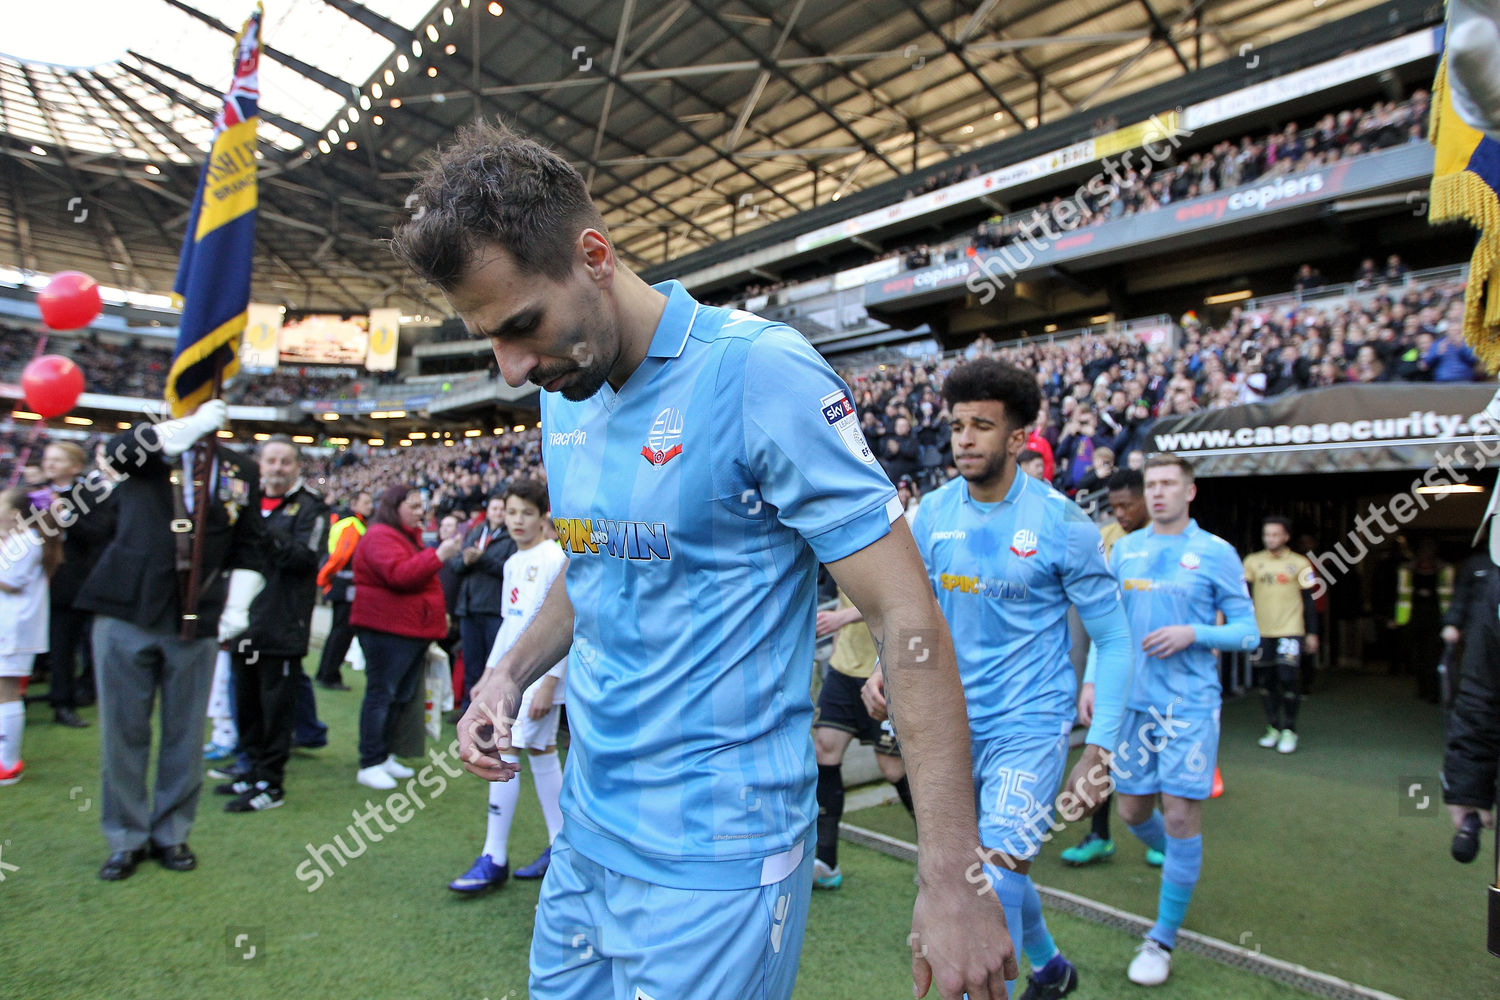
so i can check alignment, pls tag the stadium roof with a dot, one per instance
(691, 119)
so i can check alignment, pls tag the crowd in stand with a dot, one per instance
(1335, 136)
(1101, 395)
(456, 478)
(138, 370)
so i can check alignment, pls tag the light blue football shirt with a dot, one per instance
(1005, 575)
(695, 505)
(1182, 579)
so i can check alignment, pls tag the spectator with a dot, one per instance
(1080, 439)
(1102, 468)
(901, 451)
(1033, 464)
(336, 580)
(83, 510)
(1451, 359)
(1288, 371)
(480, 568)
(398, 611)
(1308, 278)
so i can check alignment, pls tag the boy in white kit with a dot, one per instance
(528, 575)
(30, 549)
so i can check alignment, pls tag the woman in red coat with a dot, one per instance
(398, 610)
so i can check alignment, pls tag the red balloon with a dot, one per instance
(52, 384)
(70, 301)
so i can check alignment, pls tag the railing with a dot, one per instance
(1324, 294)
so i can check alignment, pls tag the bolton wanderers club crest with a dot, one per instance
(1189, 560)
(1024, 544)
(664, 443)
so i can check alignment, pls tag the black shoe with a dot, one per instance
(228, 773)
(334, 686)
(176, 857)
(260, 797)
(1053, 990)
(121, 864)
(317, 744)
(68, 717)
(237, 787)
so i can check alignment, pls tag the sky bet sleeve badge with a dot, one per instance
(839, 411)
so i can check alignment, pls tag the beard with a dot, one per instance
(990, 471)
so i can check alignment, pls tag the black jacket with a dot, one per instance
(296, 537)
(1472, 762)
(136, 577)
(479, 589)
(90, 500)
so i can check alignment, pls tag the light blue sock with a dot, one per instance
(1040, 948)
(1179, 876)
(1153, 832)
(1011, 887)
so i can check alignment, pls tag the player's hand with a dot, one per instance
(873, 695)
(484, 730)
(1450, 634)
(1086, 704)
(1089, 781)
(829, 621)
(1310, 643)
(541, 701)
(960, 943)
(1457, 814)
(1168, 640)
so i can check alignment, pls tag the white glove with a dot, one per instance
(245, 586)
(177, 436)
(1474, 63)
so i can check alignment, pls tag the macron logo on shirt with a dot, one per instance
(568, 438)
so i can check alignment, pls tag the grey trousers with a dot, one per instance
(132, 664)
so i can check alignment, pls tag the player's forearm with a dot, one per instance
(1236, 633)
(1112, 671)
(543, 642)
(927, 707)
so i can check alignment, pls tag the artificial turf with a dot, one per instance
(387, 926)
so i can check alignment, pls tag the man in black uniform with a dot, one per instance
(267, 622)
(136, 593)
(1472, 762)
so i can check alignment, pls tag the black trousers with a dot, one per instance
(393, 673)
(265, 691)
(336, 646)
(69, 637)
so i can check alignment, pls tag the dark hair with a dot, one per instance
(1029, 455)
(988, 379)
(285, 439)
(1163, 460)
(1285, 522)
(1129, 480)
(43, 522)
(494, 186)
(532, 491)
(387, 510)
